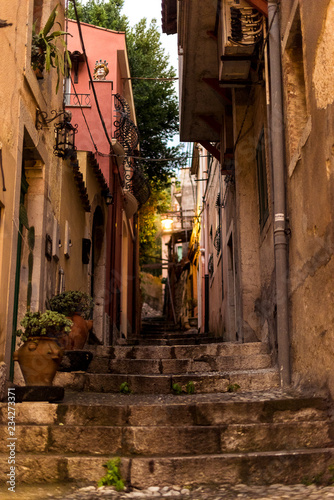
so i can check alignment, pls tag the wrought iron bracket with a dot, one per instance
(42, 117)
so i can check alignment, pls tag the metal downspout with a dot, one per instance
(280, 236)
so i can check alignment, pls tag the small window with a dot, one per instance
(262, 180)
(179, 253)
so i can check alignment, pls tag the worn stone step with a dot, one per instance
(195, 340)
(118, 410)
(286, 467)
(180, 352)
(178, 366)
(167, 441)
(255, 380)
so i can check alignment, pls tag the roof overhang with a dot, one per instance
(201, 106)
(169, 16)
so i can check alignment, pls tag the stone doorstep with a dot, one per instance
(258, 380)
(286, 467)
(168, 441)
(178, 366)
(189, 412)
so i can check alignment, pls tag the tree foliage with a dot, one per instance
(106, 13)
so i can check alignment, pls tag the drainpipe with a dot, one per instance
(280, 236)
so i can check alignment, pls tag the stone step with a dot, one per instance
(161, 340)
(197, 365)
(255, 380)
(180, 352)
(167, 441)
(286, 467)
(195, 410)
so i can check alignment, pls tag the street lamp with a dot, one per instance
(167, 225)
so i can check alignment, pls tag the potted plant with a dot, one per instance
(41, 354)
(78, 306)
(44, 51)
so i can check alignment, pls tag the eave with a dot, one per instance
(199, 73)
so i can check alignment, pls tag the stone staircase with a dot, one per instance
(254, 434)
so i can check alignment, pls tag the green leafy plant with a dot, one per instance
(177, 389)
(331, 472)
(44, 51)
(113, 476)
(124, 388)
(49, 324)
(233, 387)
(190, 387)
(72, 302)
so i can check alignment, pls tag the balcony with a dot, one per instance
(77, 100)
(136, 186)
(126, 131)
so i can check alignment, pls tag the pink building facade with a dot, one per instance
(106, 127)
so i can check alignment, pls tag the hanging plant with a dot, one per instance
(44, 51)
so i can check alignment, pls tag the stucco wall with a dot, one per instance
(310, 205)
(20, 94)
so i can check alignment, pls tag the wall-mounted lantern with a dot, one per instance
(108, 197)
(65, 137)
(64, 132)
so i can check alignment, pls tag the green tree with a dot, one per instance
(106, 13)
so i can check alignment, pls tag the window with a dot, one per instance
(262, 180)
(295, 84)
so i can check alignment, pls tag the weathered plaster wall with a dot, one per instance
(247, 218)
(216, 325)
(20, 95)
(310, 196)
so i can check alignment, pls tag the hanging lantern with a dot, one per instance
(65, 137)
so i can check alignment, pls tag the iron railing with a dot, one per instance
(82, 100)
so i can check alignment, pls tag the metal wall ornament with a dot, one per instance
(65, 138)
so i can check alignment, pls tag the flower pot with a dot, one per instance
(39, 358)
(78, 335)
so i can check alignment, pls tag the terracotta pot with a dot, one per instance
(39, 358)
(78, 335)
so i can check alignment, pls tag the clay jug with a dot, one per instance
(78, 335)
(39, 359)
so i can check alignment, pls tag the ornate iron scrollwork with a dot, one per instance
(210, 265)
(216, 242)
(126, 131)
(127, 134)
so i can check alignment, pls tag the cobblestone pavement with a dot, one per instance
(238, 492)
(241, 491)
